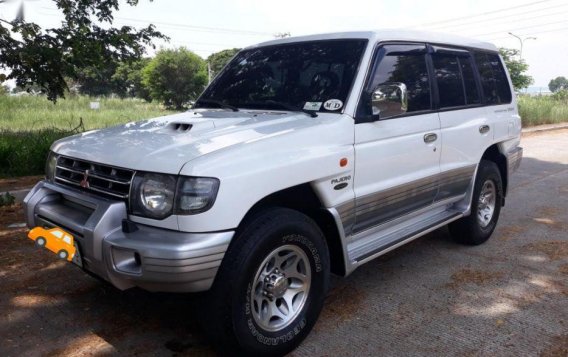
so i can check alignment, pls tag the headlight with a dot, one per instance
(195, 194)
(158, 196)
(153, 195)
(50, 166)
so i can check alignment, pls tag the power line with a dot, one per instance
(508, 9)
(500, 18)
(190, 27)
(533, 33)
(191, 43)
(522, 28)
(204, 47)
(199, 28)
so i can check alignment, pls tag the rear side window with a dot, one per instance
(493, 78)
(450, 83)
(471, 90)
(456, 82)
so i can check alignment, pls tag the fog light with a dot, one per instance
(126, 261)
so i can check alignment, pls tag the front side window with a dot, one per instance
(399, 64)
(297, 75)
(493, 78)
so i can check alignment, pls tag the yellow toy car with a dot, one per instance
(56, 240)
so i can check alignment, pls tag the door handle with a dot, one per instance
(484, 129)
(430, 138)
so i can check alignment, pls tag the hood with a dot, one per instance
(165, 144)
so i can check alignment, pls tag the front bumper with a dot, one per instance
(151, 258)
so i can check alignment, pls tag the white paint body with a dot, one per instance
(256, 153)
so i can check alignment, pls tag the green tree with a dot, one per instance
(129, 76)
(517, 68)
(97, 81)
(218, 60)
(85, 39)
(175, 77)
(557, 84)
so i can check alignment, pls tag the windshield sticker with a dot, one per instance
(312, 106)
(333, 104)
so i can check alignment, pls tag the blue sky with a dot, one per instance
(210, 26)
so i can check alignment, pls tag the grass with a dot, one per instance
(543, 109)
(27, 113)
(29, 125)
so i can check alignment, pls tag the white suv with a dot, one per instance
(304, 156)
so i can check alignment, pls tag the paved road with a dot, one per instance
(431, 297)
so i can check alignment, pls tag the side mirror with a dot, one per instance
(389, 99)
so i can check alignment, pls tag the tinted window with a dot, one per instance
(456, 82)
(493, 78)
(288, 75)
(450, 83)
(400, 64)
(471, 92)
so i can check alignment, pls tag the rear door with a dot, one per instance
(497, 95)
(465, 126)
(397, 155)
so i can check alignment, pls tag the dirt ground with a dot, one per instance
(508, 297)
(13, 184)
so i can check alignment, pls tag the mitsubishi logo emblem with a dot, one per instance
(84, 182)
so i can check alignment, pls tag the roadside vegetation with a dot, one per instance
(25, 113)
(538, 110)
(30, 124)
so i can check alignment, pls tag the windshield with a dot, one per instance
(315, 76)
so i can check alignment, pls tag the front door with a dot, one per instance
(398, 155)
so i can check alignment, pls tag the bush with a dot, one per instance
(24, 153)
(7, 199)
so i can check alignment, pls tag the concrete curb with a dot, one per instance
(546, 127)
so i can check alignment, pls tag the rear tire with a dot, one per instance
(271, 286)
(486, 204)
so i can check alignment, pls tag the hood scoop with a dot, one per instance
(180, 127)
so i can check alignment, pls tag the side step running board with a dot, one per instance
(367, 248)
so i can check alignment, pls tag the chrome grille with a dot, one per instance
(103, 179)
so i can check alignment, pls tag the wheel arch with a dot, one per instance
(495, 154)
(304, 199)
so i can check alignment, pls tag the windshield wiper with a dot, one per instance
(292, 108)
(217, 102)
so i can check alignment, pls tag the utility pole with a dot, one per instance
(521, 40)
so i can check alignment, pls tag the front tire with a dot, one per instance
(486, 204)
(271, 286)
